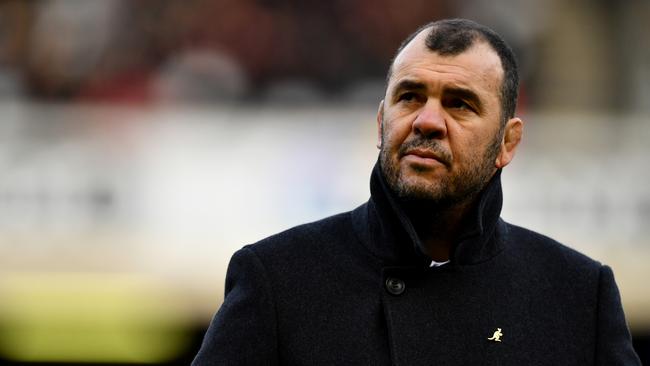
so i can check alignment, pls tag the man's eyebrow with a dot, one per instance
(409, 85)
(465, 94)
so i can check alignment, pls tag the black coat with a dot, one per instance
(355, 289)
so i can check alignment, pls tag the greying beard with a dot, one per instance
(448, 191)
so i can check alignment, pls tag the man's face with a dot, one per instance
(439, 125)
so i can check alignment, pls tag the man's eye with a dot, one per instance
(407, 97)
(457, 103)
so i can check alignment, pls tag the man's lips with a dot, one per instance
(424, 156)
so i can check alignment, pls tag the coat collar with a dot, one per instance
(388, 233)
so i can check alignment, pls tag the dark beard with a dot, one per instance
(451, 190)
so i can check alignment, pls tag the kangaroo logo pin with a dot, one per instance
(496, 337)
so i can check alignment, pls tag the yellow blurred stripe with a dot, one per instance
(89, 317)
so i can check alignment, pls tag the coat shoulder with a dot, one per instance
(325, 236)
(539, 248)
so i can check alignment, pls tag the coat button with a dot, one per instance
(395, 286)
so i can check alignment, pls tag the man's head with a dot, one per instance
(447, 123)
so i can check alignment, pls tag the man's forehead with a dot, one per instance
(478, 59)
(416, 43)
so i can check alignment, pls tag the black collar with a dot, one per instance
(387, 232)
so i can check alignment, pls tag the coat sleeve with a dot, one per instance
(243, 332)
(613, 342)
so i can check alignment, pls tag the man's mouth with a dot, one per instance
(424, 156)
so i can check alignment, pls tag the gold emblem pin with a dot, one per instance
(496, 337)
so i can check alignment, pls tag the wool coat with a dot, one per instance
(356, 289)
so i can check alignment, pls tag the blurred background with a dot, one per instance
(143, 142)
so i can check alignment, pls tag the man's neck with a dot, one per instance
(438, 227)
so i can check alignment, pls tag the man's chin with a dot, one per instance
(426, 180)
(419, 189)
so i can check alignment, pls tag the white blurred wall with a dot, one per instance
(172, 192)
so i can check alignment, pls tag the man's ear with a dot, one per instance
(380, 118)
(512, 134)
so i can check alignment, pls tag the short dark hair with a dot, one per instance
(450, 37)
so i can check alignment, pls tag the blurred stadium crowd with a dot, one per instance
(574, 55)
(136, 50)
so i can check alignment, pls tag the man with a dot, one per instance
(425, 272)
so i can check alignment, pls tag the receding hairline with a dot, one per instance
(477, 39)
(483, 70)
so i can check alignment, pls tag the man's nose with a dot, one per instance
(430, 121)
